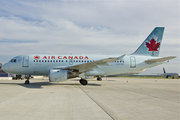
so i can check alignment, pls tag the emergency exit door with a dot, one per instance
(70, 61)
(25, 62)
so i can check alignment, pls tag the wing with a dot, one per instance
(90, 65)
(159, 59)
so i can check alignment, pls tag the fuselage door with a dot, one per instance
(25, 62)
(132, 62)
(70, 61)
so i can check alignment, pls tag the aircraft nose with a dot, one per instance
(4, 67)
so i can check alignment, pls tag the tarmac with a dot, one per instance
(109, 99)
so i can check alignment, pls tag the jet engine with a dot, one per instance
(60, 75)
(57, 75)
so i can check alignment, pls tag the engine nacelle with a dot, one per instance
(58, 75)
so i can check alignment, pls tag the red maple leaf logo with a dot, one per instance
(153, 46)
(36, 57)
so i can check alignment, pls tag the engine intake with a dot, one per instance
(58, 75)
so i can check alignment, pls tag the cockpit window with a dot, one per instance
(13, 60)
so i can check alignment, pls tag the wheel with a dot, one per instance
(27, 82)
(83, 82)
(80, 81)
(99, 79)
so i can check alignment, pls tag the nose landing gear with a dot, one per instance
(27, 81)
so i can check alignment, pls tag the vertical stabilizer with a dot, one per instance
(151, 45)
(164, 70)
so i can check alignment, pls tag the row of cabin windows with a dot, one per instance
(63, 61)
(73, 61)
(119, 61)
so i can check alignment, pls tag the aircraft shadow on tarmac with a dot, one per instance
(39, 85)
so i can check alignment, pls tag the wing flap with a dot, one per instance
(151, 61)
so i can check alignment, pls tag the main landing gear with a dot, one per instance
(83, 81)
(99, 78)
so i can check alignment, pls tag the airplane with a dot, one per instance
(60, 67)
(173, 75)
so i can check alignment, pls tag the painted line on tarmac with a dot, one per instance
(108, 112)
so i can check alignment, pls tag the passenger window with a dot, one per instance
(79, 61)
(53, 60)
(56, 60)
(87, 60)
(45, 61)
(36, 60)
(59, 60)
(62, 60)
(76, 60)
(42, 60)
(66, 61)
(50, 60)
(39, 60)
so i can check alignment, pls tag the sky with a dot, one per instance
(88, 27)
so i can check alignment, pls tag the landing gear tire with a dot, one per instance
(26, 82)
(99, 79)
(83, 82)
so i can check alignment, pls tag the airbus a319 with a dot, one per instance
(60, 67)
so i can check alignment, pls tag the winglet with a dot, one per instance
(121, 57)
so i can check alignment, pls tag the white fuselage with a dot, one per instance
(34, 64)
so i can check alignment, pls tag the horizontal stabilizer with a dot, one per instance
(159, 59)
